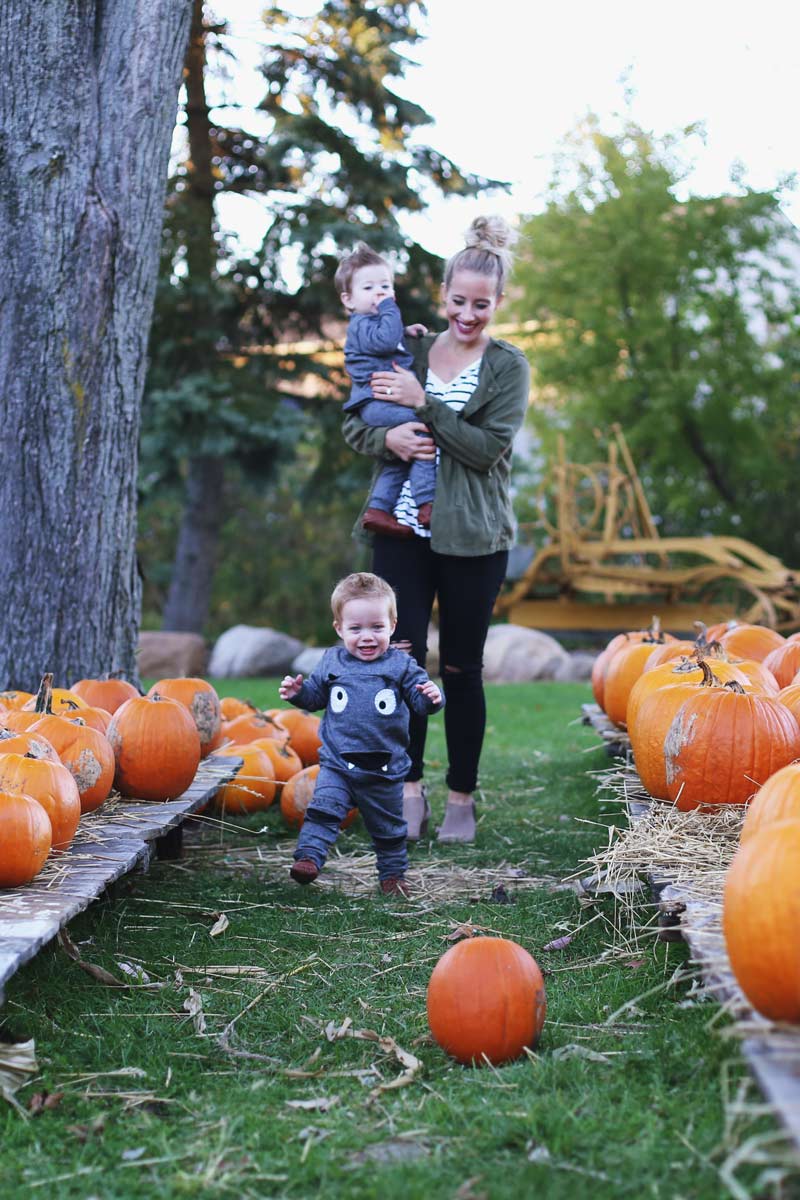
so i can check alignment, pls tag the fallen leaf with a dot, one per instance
(98, 973)
(17, 1063)
(559, 943)
(134, 1154)
(537, 1153)
(634, 963)
(574, 1050)
(136, 972)
(219, 926)
(464, 930)
(318, 1104)
(500, 895)
(390, 1151)
(193, 1004)
(41, 1101)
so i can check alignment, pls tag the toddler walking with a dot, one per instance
(374, 343)
(366, 688)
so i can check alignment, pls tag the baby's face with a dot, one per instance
(366, 627)
(370, 285)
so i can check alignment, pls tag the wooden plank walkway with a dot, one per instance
(119, 836)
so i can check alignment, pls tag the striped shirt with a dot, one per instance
(455, 395)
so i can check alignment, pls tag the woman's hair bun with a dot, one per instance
(491, 233)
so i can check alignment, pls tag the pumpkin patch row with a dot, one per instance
(718, 722)
(64, 750)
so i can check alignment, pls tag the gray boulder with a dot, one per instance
(577, 668)
(515, 654)
(247, 650)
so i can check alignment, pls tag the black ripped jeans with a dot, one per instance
(466, 589)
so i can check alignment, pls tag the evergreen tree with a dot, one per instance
(339, 163)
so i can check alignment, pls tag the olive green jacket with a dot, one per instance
(472, 512)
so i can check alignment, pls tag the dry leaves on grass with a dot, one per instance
(409, 1062)
(17, 1064)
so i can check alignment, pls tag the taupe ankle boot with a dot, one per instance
(416, 812)
(458, 824)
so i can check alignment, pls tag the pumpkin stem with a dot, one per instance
(44, 696)
(733, 685)
(709, 678)
(703, 647)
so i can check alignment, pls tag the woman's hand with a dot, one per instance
(400, 386)
(405, 441)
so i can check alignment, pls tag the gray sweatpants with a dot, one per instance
(380, 802)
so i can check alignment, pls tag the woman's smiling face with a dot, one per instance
(470, 302)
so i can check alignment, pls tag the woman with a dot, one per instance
(473, 402)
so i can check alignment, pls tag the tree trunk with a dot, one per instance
(192, 577)
(195, 557)
(88, 94)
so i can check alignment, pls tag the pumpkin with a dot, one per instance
(723, 743)
(27, 742)
(601, 663)
(19, 719)
(761, 903)
(253, 788)
(97, 718)
(303, 730)
(15, 700)
(108, 693)
(156, 746)
(297, 795)
(790, 696)
(52, 785)
(486, 1000)
(760, 677)
(250, 726)
(686, 670)
(751, 641)
(85, 752)
(784, 662)
(666, 652)
(202, 701)
(284, 761)
(59, 700)
(624, 669)
(232, 706)
(25, 838)
(776, 800)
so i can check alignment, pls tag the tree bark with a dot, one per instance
(195, 557)
(88, 94)
(189, 597)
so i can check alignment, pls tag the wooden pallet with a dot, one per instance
(110, 843)
(617, 742)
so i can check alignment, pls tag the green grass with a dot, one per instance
(642, 1114)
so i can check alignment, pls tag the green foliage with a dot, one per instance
(677, 318)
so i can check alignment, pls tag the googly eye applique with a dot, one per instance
(386, 702)
(338, 699)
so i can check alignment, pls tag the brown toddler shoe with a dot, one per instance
(424, 514)
(304, 871)
(396, 887)
(378, 521)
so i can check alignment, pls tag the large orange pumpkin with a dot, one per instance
(107, 693)
(232, 706)
(85, 752)
(285, 763)
(486, 1000)
(686, 670)
(761, 910)
(751, 641)
(25, 838)
(724, 743)
(156, 746)
(202, 701)
(59, 700)
(648, 731)
(253, 788)
(303, 730)
(790, 696)
(298, 793)
(776, 800)
(601, 663)
(15, 700)
(52, 785)
(784, 662)
(625, 668)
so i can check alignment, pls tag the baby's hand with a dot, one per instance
(416, 330)
(429, 689)
(290, 685)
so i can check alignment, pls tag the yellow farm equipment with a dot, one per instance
(604, 566)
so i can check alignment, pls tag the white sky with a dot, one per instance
(505, 80)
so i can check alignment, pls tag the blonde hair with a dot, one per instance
(487, 251)
(361, 255)
(362, 585)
